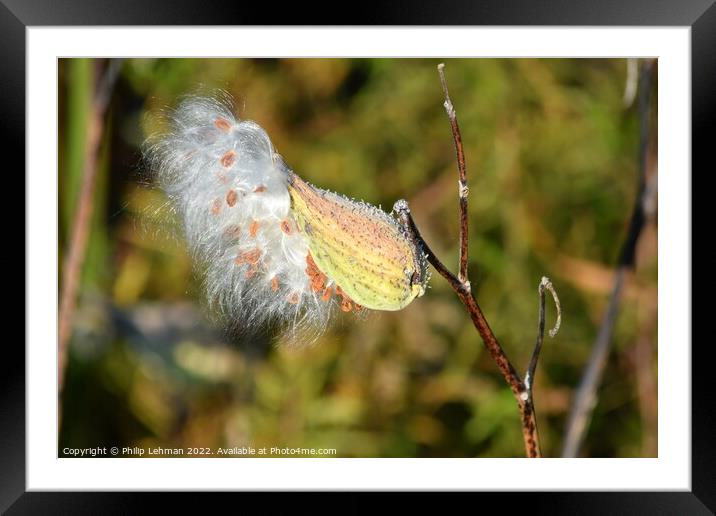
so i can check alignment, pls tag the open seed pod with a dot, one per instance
(360, 247)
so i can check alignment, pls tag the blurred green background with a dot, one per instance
(551, 152)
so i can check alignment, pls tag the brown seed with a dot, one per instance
(285, 226)
(250, 257)
(316, 277)
(233, 231)
(260, 188)
(327, 294)
(228, 159)
(254, 228)
(346, 305)
(216, 206)
(231, 198)
(274, 283)
(293, 298)
(223, 124)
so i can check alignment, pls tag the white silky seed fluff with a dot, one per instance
(229, 187)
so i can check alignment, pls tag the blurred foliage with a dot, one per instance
(552, 162)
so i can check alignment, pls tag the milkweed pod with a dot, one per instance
(361, 248)
(271, 247)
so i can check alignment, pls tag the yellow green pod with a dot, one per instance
(361, 248)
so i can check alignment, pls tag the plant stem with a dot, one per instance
(463, 189)
(522, 390)
(585, 398)
(522, 393)
(545, 284)
(83, 216)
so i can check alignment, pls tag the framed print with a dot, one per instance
(360, 258)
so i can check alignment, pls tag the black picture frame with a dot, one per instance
(700, 15)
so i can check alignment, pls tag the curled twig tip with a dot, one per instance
(546, 284)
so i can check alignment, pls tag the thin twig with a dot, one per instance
(586, 395)
(83, 215)
(545, 284)
(463, 189)
(461, 285)
(463, 291)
